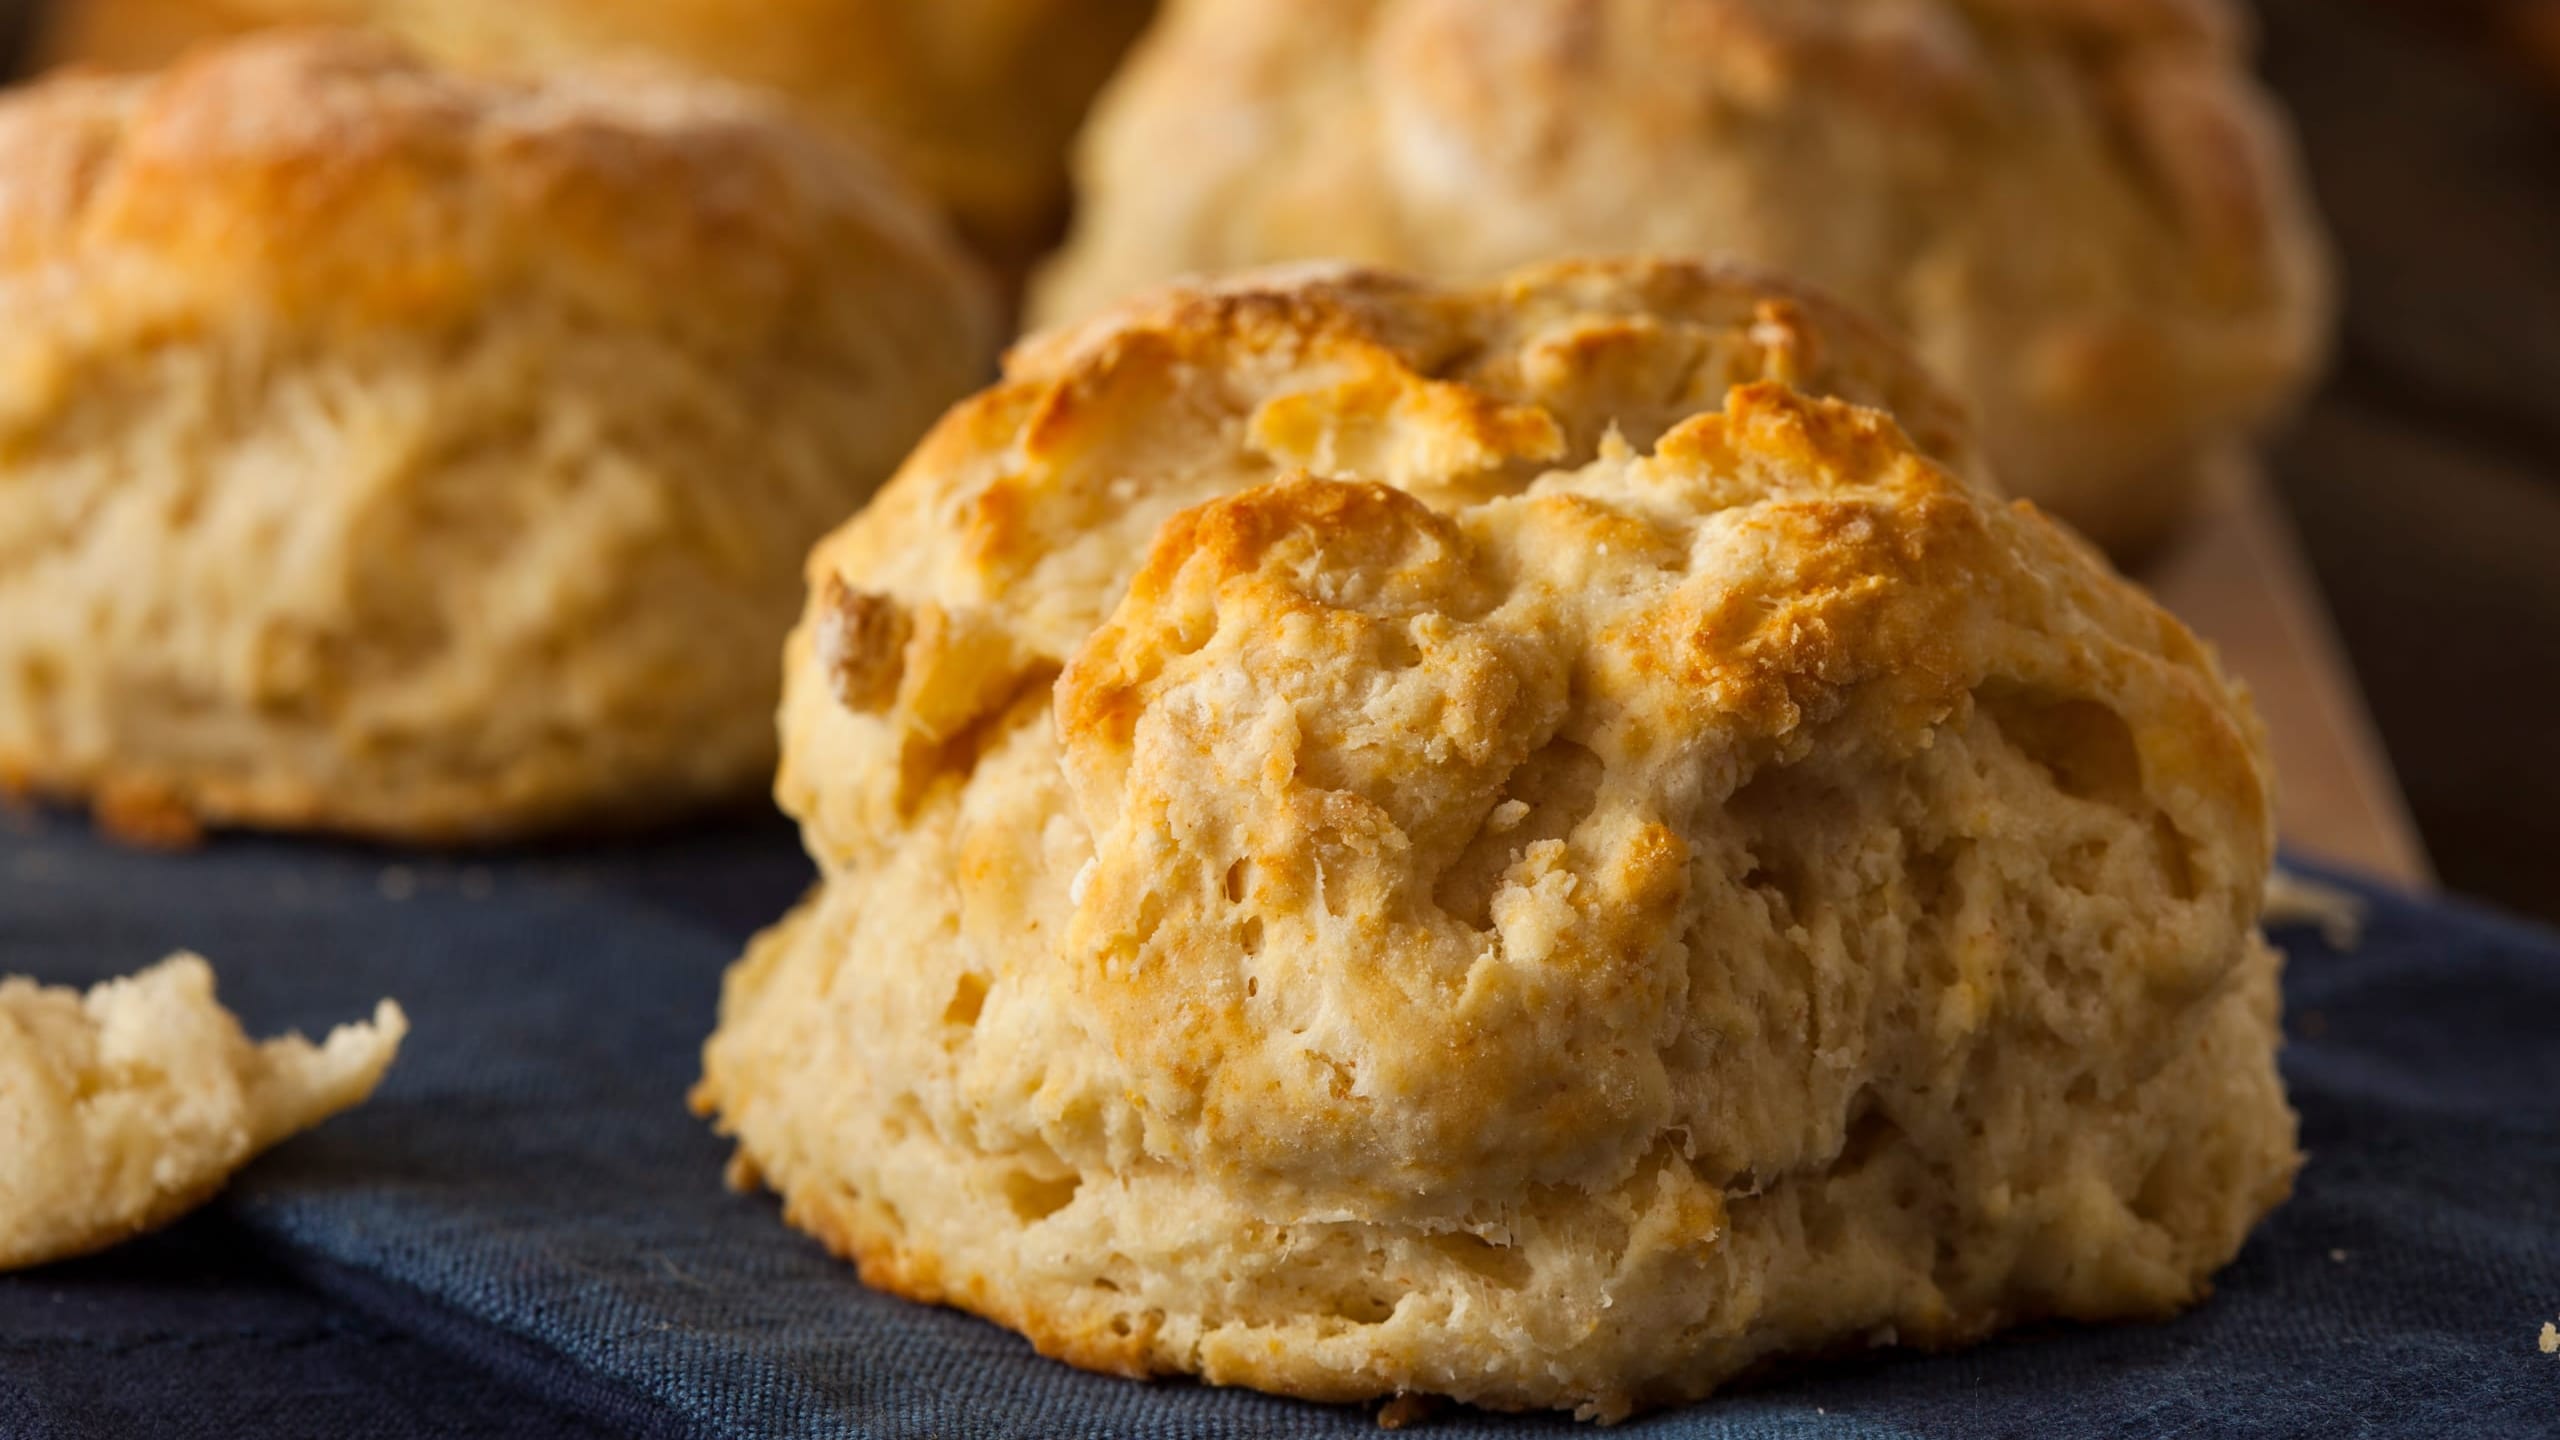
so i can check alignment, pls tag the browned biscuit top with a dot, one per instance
(334, 173)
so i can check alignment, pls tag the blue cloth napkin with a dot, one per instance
(525, 1233)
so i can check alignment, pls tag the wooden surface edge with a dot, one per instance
(2239, 578)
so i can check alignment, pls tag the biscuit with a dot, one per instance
(975, 100)
(425, 457)
(127, 1107)
(1522, 842)
(2083, 213)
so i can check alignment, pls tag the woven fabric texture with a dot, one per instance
(526, 1233)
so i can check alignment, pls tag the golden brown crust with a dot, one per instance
(2082, 212)
(397, 452)
(1499, 841)
(974, 100)
(147, 815)
(334, 172)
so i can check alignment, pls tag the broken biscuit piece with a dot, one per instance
(123, 1109)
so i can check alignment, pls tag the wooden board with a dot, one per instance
(2238, 577)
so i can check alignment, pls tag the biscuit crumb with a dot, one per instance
(1404, 1410)
(2294, 901)
(2337, 1257)
(146, 816)
(2550, 1338)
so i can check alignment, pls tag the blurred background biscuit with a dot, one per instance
(974, 100)
(394, 452)
(1501, 841)
(2085, 216)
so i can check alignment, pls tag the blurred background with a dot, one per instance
(2425, 477)
(2423, 481)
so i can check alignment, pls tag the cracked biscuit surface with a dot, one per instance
(2083, 213)
(388, 451)
(1525, 842)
